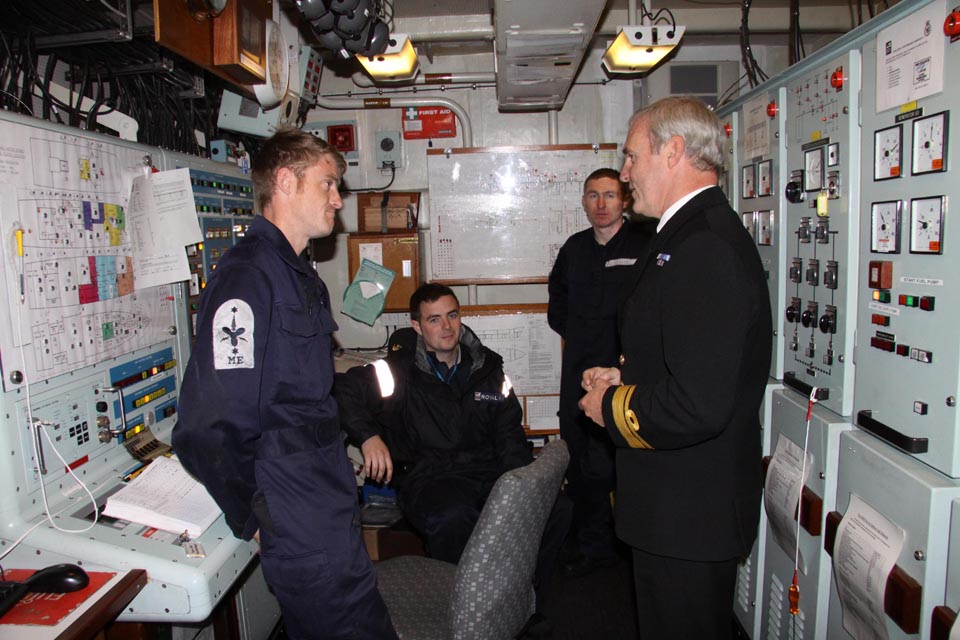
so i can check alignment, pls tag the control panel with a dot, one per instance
(224, 199)
(908, 346)
(822, 196)
(91, 363)
(762, 170)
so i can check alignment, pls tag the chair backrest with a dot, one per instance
(493, 591)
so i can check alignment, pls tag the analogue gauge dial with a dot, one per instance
(748, 181)
(750, 224)
(887, 153)
(270, 93)
(765, 221)
(813, 169)
(926, 225)
(930, 144)
(885, 227)
(765, 178)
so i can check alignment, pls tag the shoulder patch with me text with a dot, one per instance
(233, 336)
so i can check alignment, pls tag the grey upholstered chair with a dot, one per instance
(489, 595)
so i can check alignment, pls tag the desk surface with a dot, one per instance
(96, 612)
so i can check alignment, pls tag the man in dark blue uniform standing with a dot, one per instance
(258, 426)
(584, 289)
(683, 409)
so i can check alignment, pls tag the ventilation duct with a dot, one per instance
(540, 46)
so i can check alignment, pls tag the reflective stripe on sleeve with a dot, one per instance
(507, 386)
(384, 378)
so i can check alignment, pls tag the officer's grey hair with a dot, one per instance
(690, 119)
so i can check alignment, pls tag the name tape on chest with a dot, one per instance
(486, 396)
(233, 336)
(620, 262)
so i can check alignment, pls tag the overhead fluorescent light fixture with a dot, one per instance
(639, 48)
(397, 63)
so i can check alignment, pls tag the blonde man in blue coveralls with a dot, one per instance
(257, 423)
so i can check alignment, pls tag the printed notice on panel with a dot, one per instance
(786, 476)
(910, 57)
(756, 128)
(866, 548)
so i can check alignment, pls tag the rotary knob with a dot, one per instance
(794, 192)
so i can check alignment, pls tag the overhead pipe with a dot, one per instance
(466, 128)
(361, 79)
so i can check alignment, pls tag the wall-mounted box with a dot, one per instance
(398, 213)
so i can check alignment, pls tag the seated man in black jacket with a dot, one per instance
(440, 410)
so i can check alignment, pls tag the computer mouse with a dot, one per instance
(58, 578)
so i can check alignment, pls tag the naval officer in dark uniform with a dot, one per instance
(584, 289)
(683, 407)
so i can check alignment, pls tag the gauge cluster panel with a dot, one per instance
(908, 345)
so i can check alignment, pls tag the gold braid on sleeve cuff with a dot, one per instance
(626, 419)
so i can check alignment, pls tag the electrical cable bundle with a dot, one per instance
(755, 74)
(135, 77)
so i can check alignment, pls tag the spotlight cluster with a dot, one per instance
(347, 27)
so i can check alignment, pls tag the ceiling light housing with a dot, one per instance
(640, 48)
(398, 62)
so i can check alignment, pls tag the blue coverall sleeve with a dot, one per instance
(216, 435)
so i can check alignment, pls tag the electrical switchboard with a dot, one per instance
(822, 197)
(908, 349)
(917, 500)
(91, 365)
(822, 444)
(761, 172)
(749, 589)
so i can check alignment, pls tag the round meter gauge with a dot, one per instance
(926, 225)
(885, 227)
(765, 178)
(813, 169)
(929, 144)
(748, 181)
(887, 153)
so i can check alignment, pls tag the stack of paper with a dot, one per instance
(165, 496)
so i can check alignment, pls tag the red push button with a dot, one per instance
(926, 303)
(836, 79)
(882, 344)
(880, 319)
(903, 350)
